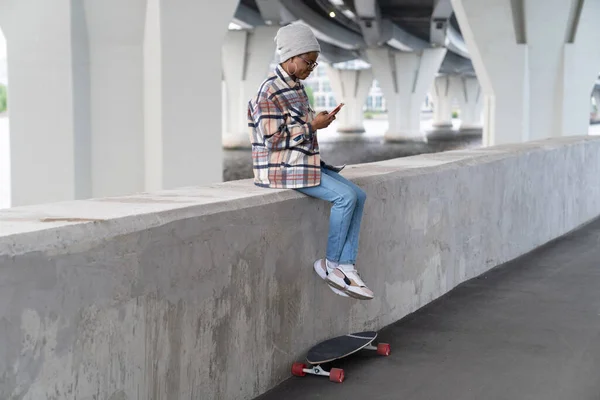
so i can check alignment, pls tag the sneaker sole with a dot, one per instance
(335, 290)
(348, 292)
(344, 289)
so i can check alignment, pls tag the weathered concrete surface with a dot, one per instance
(528, 329)
(209, 292)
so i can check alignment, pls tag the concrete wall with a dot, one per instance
(4, 163)
(208, 293)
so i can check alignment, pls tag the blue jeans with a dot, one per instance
(346, 214)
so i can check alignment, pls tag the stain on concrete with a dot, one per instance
(140, 200)
(174, 329)
(216, 194)
(120, 395)
(70, 219)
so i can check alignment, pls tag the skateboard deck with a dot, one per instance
(339, 347)
(336, 348)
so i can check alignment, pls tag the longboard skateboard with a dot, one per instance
(334, 349)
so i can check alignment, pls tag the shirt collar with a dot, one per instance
(287, 78)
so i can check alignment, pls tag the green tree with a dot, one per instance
(311, 95)
(3, 98)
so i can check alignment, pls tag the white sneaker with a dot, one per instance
(321, 270)
(350, 283)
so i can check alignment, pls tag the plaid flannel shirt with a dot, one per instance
(285, 150)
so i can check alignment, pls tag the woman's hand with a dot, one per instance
(322, 120)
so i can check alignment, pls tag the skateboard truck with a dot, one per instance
(337, 374)
(334, 374)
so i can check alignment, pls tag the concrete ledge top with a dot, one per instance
(56, 226)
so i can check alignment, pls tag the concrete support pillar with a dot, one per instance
(246, 59)
(405, 79)
(537, 61)
(350, 87)
(595, 112)
(183, 74)
(442, 93)
(470, 100)
(49, 132)
(581, 59)
(116, 38)
(108, 99)
(596, 96)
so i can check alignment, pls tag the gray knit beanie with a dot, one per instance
(295, 39)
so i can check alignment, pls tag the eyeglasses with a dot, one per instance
(311, 64)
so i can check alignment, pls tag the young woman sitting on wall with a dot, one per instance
(285, 154)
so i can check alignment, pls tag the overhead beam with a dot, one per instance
(396, 37)
(456, 43)
(270, 10)
(247, 16)
(334, 54)
(323, 27)
(379, 31)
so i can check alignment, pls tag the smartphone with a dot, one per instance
(337, 109)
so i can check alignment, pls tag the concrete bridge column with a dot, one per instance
(116, 63)
(596, 96)
(106, 100)
(470, 99)
(405, 79)
(350, 87)
(247, 56)
(182, 77)
(49, 135)
(537, 62)
(443, 94)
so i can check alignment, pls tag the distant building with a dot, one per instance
(325, 98)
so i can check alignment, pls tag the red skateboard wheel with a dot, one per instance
(383, 349)
(336, 375)
(298, 369)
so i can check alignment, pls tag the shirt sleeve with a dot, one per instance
(277, 135)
